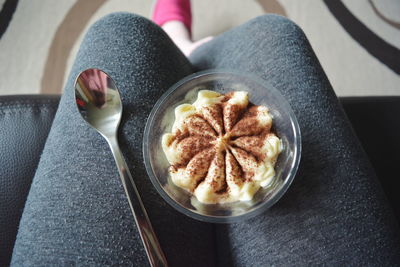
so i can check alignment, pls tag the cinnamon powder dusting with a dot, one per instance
(223, 145)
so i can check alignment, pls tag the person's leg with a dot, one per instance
(175, 18)
(177, 31)
(76, 212)
(335, 212)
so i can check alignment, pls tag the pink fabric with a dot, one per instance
(167, 10)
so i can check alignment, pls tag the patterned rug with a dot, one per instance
(357, 42)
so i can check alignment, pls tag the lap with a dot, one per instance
(76, 211)
(335, 211)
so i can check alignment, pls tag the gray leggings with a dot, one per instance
(76, 213)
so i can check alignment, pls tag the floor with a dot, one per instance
(357, 42)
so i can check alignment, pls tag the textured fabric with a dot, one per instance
(24, 124)
(76, 213)
(335, 211)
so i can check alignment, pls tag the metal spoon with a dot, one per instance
(99, 103)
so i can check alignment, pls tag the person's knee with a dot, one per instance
(276, 24)
(120, 22)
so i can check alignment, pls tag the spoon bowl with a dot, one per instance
(98, 101)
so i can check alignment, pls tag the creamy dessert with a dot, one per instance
(221, 148)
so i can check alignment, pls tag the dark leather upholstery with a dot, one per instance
(376, 121)
(24, 125)
(25, 122)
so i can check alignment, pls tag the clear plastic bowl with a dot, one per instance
(185, 91)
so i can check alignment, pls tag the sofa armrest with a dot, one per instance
(24, 125)
(376, 121)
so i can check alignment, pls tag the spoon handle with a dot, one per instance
(152, 246)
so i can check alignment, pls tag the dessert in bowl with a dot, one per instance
(221, 146)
